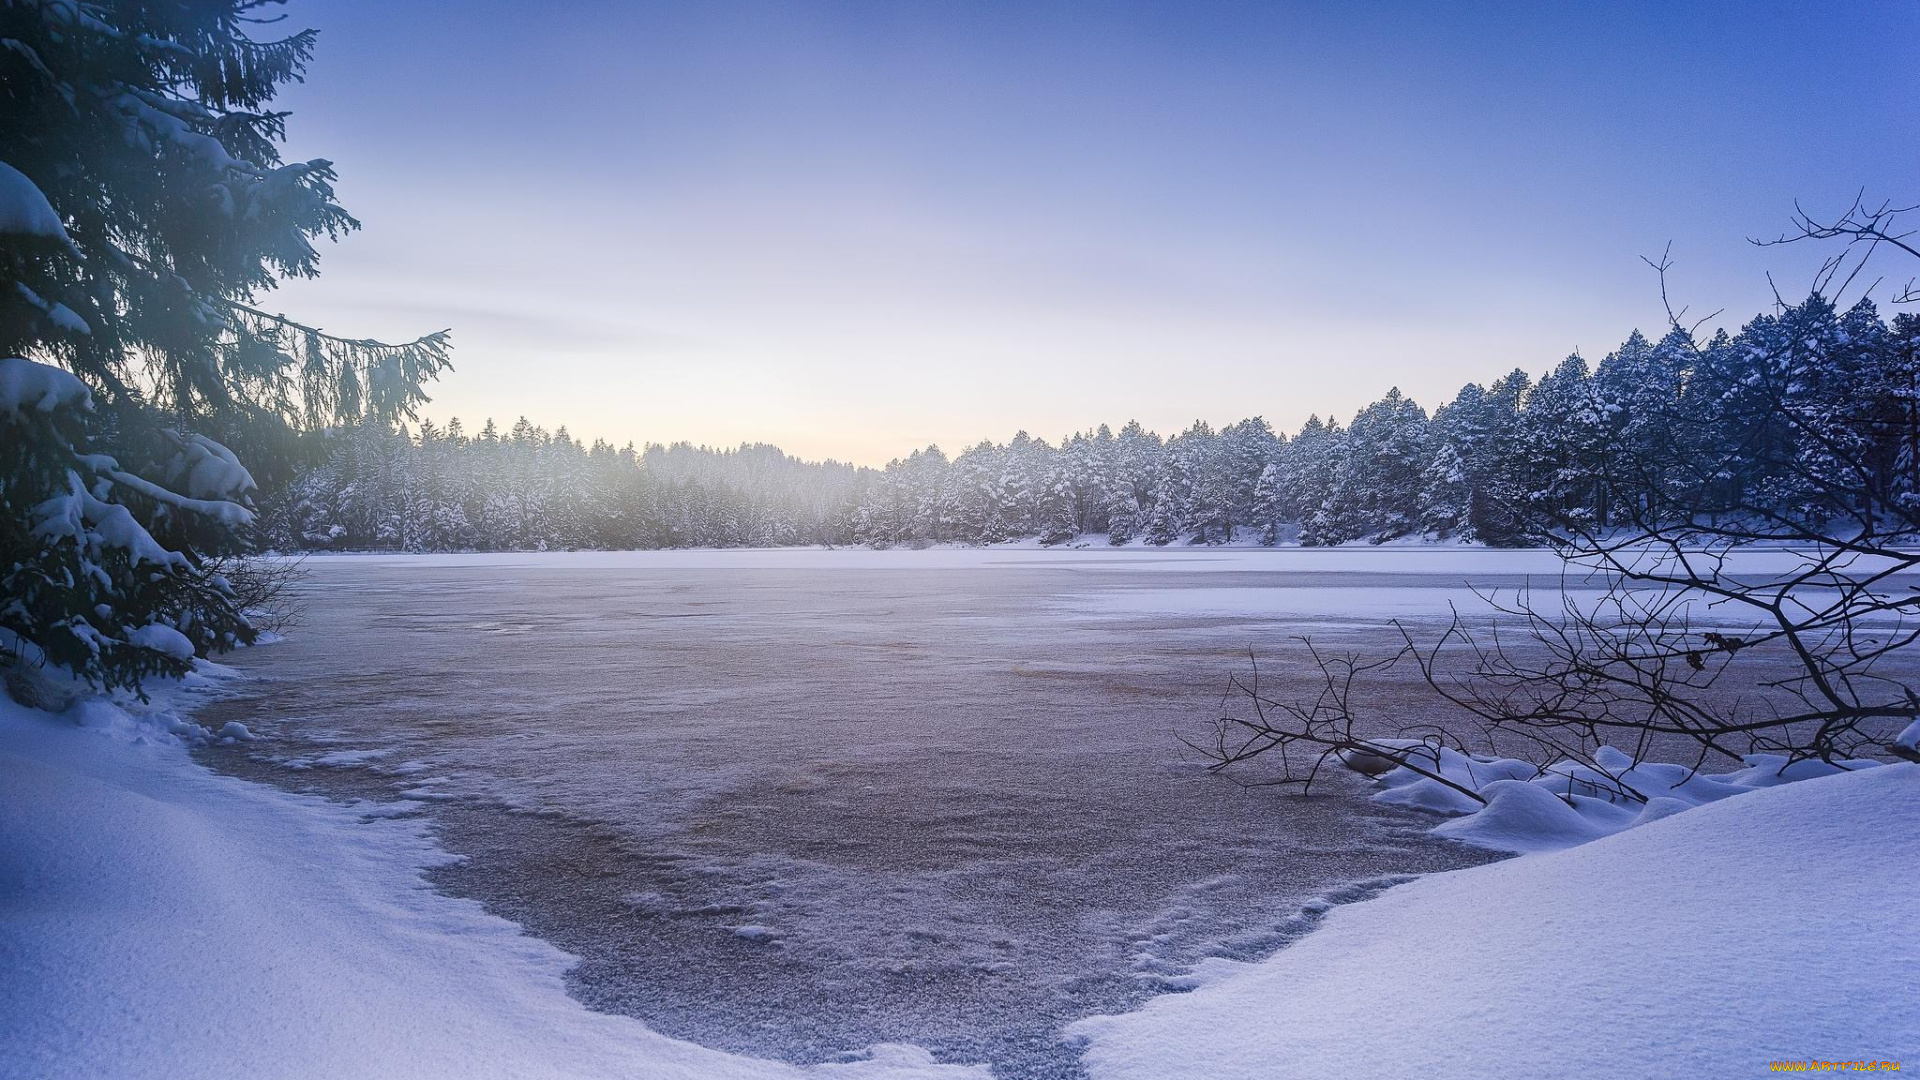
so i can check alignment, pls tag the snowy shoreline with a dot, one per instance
(1096, 542)
(1770, 926)
(160, 920)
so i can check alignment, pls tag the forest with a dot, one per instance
(1499, 464)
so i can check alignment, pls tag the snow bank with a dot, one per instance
(1775, 926)
(158, 921)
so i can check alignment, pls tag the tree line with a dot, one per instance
(1490, 466)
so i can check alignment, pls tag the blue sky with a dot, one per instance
(852, 229)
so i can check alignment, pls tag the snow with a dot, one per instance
(208, 470)
(1771, 926)
(1909, 739)
(231, 514)
(24, 209)
(163, 639)
(29, 387)
(1432, 560)
(68, 319)
(98, 525)
(1527, 809)
(1522, 817)
(159, 921)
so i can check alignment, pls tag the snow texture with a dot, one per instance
(99, 525)
(29, 387)
(207, 470)
(163, 639)
(1766, 927)
(158, 921)
(1910, 738)
(24, 209)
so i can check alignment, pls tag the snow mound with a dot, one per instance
(1767, 927)
(1529, 810)
(1522, 816)
(160, 921)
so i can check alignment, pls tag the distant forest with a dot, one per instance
(1492, 465)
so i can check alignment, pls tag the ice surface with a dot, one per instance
(945, 783)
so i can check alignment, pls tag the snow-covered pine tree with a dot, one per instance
(1268, 511)
(1563, 434)
(1057, 521)
(143, 207)
(1376, 487)
(1095, 478)
(1638, 387)
(1210, 502)
(1163, 519)
(928, 513)
(88, 587)
(1308, 468)
(1472, 486)
(1123, 514)
(1445, 491)
(1079, 466)
(1026, 461)
(1902, 374)
(1137, 454)
(1246, 449)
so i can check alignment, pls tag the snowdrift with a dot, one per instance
(1771, 926)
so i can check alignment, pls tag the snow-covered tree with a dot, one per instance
(1498, 464)
(1376, 488)
(87, 586)
(144, 207)
(1268, 512)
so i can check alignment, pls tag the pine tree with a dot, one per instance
(147, 207)
(1268, 511)
(1562, 444)
(1163, 520)
(1245, 450)
(1376, 486)
(1308, 470)
(1123, 515)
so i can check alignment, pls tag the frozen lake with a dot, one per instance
(794, 803)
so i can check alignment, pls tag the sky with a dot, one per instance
(856, 229)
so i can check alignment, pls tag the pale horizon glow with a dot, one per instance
(855, 230)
